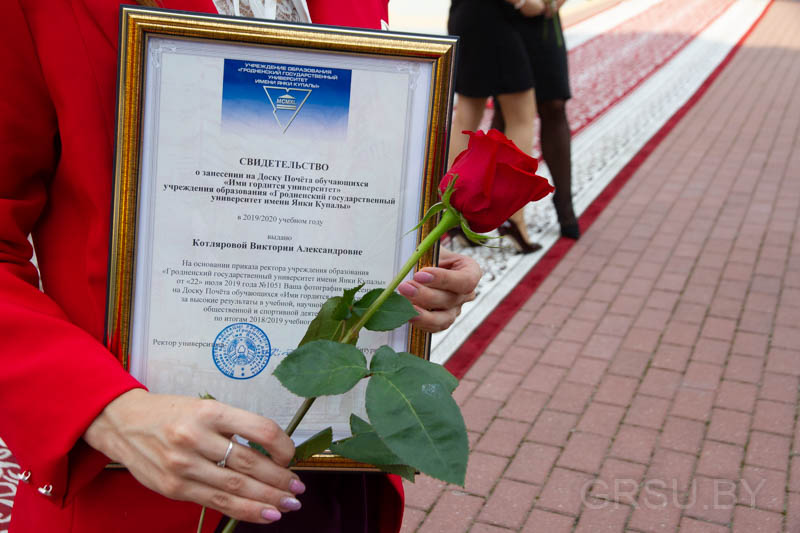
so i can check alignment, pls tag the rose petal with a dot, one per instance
(508, 152)
(495, 179)
(529, 187)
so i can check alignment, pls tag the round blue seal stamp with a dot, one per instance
(241, 351)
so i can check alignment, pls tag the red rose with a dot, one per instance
(495, 180)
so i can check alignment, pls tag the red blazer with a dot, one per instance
(57, 103)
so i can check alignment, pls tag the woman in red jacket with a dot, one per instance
(68, 406)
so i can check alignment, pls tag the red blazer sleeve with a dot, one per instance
(355, 13)
(55, 377)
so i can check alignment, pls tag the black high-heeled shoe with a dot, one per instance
(571, 230)
(510, 229)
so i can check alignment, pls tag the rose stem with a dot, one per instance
(449, 220)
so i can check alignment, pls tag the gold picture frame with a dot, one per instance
(165, 59)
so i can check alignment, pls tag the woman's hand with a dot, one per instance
(529, 8)
(438, 292)
(173, 444)
(551, 7)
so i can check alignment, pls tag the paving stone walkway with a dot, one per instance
(651, 383)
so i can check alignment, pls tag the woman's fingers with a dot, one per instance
(436, 309)
(460, 277)
(265, 488)
(439, 292)
(430, 298)
(435, 321)
(244, 462)
(173, 444)
(439, 289)
(228, 420)
(457, 273)
(532, 8)
(237, 507)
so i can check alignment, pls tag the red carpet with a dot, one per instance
(461, 361)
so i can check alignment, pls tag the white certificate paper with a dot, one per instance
(270, 181)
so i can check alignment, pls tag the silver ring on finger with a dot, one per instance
(224, 460)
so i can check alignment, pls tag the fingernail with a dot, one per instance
(290, 504)
(297, 486)
(423, 277)
(407, 290)
(271, 514)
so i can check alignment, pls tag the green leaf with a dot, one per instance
(448, 192)
(418, 420)
(324, 325)
(360, 307)
(365, 446)
(342, 311)
(207, 396)
(391, 361)
(333, 320)
(322, 368)
(434, 209)
(393, 313)
(471, 235)
(404, 471)
(359, 425)
(314, 445)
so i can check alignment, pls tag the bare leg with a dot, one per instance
(556, 151)
(519, 110)
(497, 117)
(468, 115)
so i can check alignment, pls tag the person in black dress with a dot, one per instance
(494, 61)
(548, 56)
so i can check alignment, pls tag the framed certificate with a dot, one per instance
(262, 167)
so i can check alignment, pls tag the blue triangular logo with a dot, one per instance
(286, 103)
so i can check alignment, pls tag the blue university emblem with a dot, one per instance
(286, 103)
